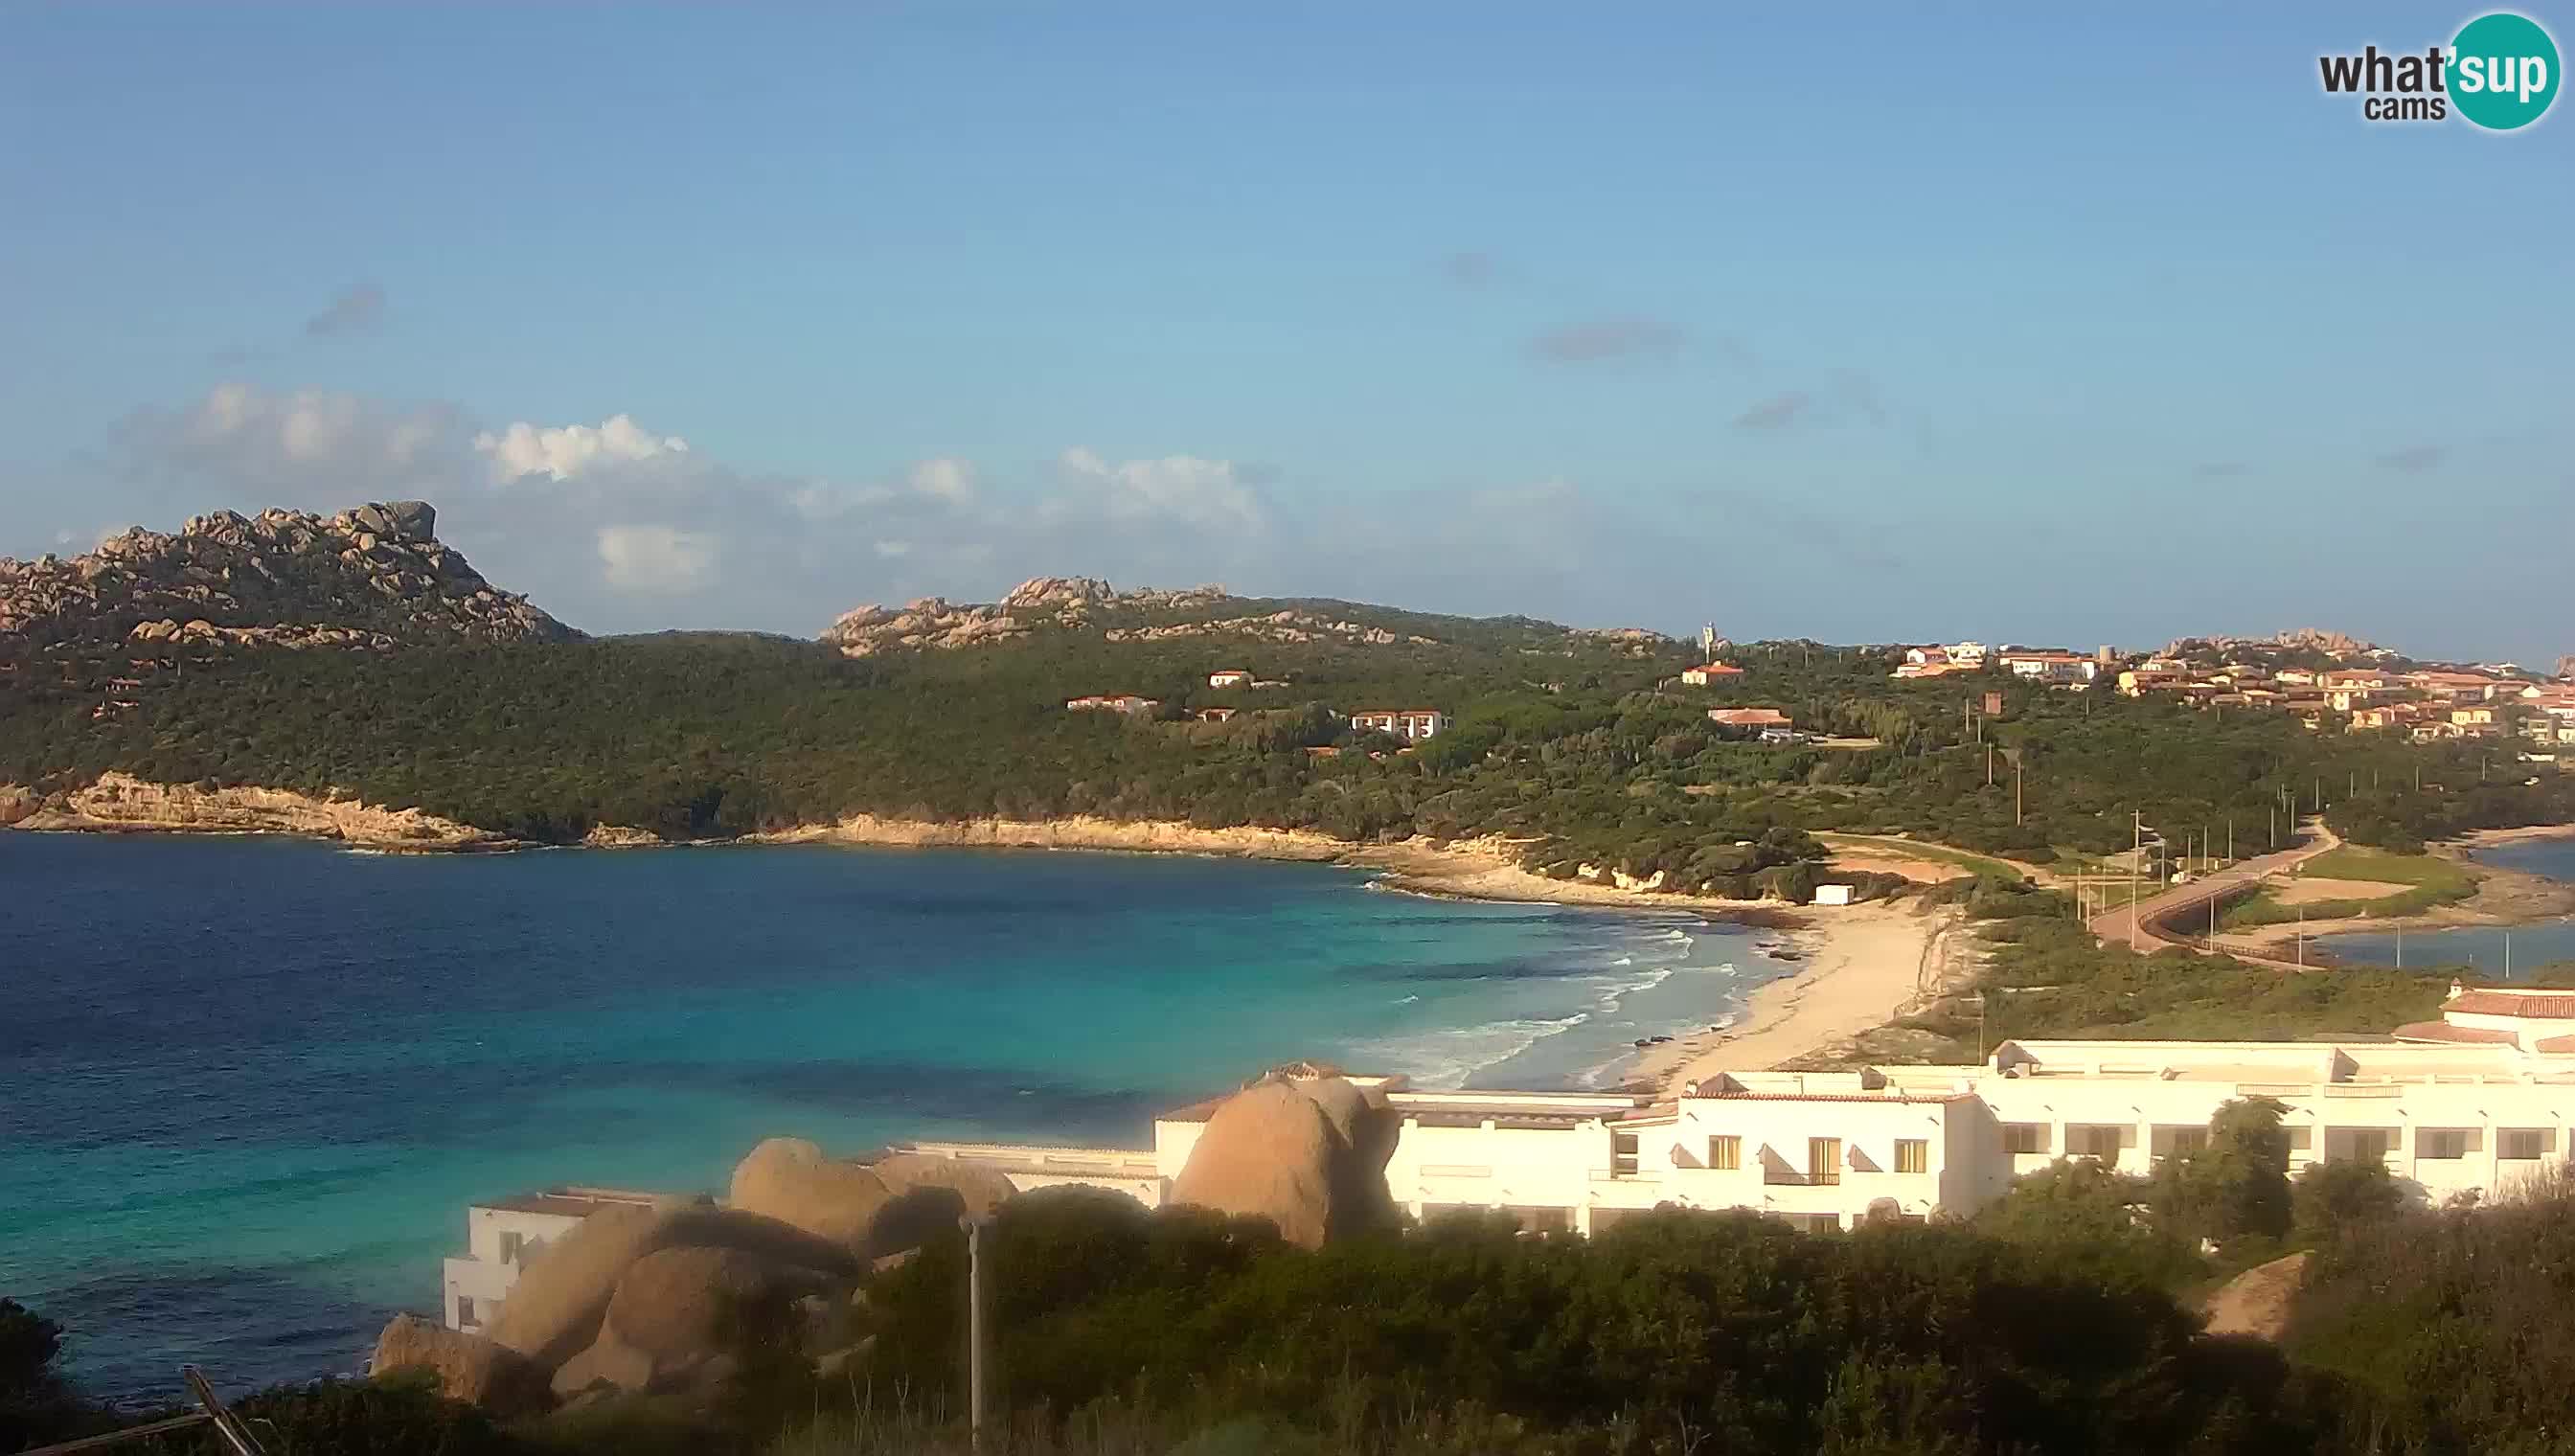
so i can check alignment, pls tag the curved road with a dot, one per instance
(2170, 906)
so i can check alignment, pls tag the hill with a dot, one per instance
(1585, 749)
(375, 576)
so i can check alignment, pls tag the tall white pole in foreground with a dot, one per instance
(975, 1326)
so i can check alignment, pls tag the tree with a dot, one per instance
(2238, 1185)
(2332, 1198)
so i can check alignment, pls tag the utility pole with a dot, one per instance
(2136, 862)
(2230, 839)
(2017, 800)
(2401, 945)
(2302, 937)
(975, 1227)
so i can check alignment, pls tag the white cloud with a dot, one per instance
(894, 549)
(286, 445)
(565, 450)
(658, 558)
(1178, 488)
(944, 479)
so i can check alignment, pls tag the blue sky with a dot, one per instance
(2030, 323)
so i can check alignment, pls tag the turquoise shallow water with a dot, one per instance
(2489, 950)
(248, 1085)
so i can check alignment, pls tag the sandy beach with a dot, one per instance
(1865, 964)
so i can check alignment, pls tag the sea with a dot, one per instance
(248, 1085)
(2487, 949)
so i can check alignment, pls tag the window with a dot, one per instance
(2020, 1137)
(2441, 1142)
(2372, 1145)
(465, 1312)
(1824, 1160)
(511, 1245)
(2186, 1140)
(1726, 1152)
(1622, 1154)
(1912, 1155)
(2524, 1143)
(2094, 1142)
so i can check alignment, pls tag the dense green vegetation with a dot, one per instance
(2059, 1319)
(1586, 748)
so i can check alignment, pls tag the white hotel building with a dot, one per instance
(2472, 1103)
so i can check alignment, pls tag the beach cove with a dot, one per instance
(253, 1080)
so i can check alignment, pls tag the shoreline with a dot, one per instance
(1865, 965)
(2475, 840)
(1857, 967)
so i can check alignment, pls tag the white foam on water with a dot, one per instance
(1442, 1058)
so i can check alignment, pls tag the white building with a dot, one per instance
(504, 1235)
(1228, 677)
(2050, 666)
(1412, 725)
(1832, 1150)
(2475, 1104)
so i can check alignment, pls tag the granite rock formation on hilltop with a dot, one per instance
(372, 578)
(937, 623)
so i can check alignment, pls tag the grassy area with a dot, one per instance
(2430, 879)
(2355, 862)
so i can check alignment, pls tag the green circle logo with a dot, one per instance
(2503, 71)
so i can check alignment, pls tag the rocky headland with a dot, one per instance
(372, 577)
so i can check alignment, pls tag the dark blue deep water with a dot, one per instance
(248, 1085)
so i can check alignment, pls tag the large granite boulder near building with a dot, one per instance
(469, 1367)
(1306, 1153)
(874, 1209)
(556, 1308)
(793, 1182)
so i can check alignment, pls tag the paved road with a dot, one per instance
(2168, 906)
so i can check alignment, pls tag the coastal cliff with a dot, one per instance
(1075, 832)
(120, 801)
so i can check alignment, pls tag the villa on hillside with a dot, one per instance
(2049, 666)
(1128, 702)
(1228, 677)
(2477, 1102)
(1710, 674)
(1411, 724)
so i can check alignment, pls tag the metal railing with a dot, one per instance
(226, 1424)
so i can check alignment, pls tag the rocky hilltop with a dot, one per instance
(370, 577)
(2311, 639)
(937, 623)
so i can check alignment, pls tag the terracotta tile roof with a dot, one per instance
(2554, 1043)
(2444, 1031)
(2502, 1004)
